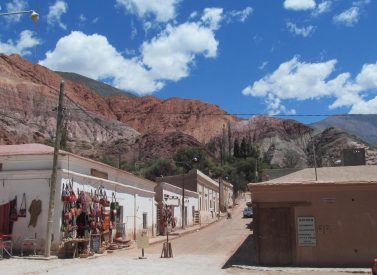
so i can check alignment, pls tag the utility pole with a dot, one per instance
(51, 205)
(315, 162)
(183, 201)
(218, 210)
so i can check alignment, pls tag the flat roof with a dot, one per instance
(34, 149)
(26, 149)
(344, 174)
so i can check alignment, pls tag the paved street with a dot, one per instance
(211, 250)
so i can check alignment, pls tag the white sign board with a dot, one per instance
(172, 201)
(306, 231)
(142, 240)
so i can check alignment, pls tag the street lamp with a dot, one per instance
(188, 167)
(34, 16)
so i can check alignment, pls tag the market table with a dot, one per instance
(75, 244)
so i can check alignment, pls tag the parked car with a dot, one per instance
(248, 212)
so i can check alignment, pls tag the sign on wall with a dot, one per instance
(306, 231)
(171, 200)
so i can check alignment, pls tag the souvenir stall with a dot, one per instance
(96, 206)
(89, 221)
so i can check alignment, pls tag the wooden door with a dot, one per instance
(275, 236)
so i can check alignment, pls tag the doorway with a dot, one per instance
(275, 236)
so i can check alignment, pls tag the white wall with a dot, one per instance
(30, 174)
(126, 196)
(36, 187)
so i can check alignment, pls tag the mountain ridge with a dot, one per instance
(134, 129)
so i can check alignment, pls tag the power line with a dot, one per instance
(231, 114)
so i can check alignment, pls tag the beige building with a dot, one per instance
(329, 222)
(207, 189)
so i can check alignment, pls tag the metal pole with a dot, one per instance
(51, 205)
(135, 216)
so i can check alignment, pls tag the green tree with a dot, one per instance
(243, 148)
(158, 168)
(229, 140)
(236, 148)
(291, 158)
(192, 158)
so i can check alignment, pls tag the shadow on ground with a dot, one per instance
(245, 254)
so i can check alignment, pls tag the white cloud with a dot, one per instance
(349, 17)
(263, 65)
(360, 3)
(171, 53)
(365, 107)
(299, 4)
(55, 13)
(322, 7)
(167, 57)
(133, 31)
(22, 46)
(193, 15)
(302, 81)
(82, 18)
(303, 31)
(15, 5)
(275, 106)
(212, 17)
(240, 15)
(367, 78)
(163, 10)
(93, 56)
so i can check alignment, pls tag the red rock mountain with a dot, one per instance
(200, 120)
(129, 128)
(29, 94)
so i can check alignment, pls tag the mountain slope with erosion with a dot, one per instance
(139, 129)
(363, 126)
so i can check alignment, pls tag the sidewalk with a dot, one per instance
(180, 232)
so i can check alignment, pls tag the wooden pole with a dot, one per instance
(51, 205)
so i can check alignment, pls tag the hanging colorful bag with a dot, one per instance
(104, 201)
(65, 193)
(114, 205)
(22, 212)
(72, 195)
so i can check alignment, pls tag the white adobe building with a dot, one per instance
(170, 195)
(206, 188)
(27, 169)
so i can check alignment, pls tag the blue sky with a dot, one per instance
(289, 57)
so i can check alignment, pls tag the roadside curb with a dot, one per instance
(303, 269)
(36, 257)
